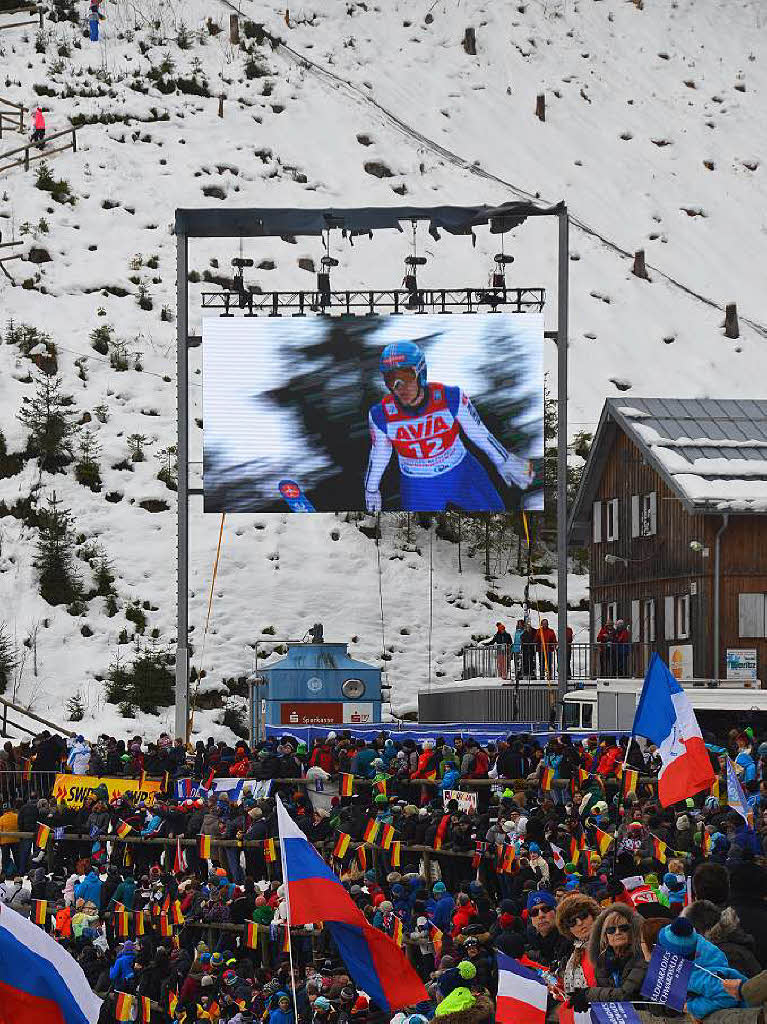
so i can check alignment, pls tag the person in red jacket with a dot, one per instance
(241, 766)
(38, 135)
(611, 757)
(463, 914)
(322, 757)
(546, 642)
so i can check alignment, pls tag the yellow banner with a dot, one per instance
(74, 789)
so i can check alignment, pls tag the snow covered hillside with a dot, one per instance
(654, 135)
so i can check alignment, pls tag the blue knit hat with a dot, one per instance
(439, 887)
(540, 896)
(679, 936)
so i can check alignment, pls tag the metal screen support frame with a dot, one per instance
(265, 223)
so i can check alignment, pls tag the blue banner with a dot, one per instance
(614, 1013)
(482, 732)
(667, 977)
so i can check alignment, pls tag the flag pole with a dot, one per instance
(621, 802)
(287, 905)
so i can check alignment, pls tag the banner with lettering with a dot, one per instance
(75, 789)
(667, 977)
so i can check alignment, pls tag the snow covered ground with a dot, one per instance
(654, 135)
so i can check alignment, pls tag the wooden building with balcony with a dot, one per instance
(672, 506)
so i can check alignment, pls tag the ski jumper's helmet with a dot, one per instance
(401, 354)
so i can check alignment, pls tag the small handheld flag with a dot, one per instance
(123, 828)
(736, 798)
(41, 839)
(479, 851)
(380, 785)
(39, 911)
(659, 849)
(146, 1009)
(557, 856)
(138, 918)
(285, 948)
(395, 852)
(603, 840)
(124, 1007)
(436, 937)
(583, 775)
(630, 779)
(122, 921)
(251, 935)
(547, 777)
(270, 855)
(172, 1001)
(165, 926)
(371, 831)
(347, 784)
(342, 845)
(387, 835)
(362, 858)
(175, 912)
(397, 934)
(509, 856)
(205, 847)
(179, 863)
(26, 770)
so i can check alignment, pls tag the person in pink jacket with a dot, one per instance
(38, 135)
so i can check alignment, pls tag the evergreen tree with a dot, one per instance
(87, 468)
(152, 681)
(8, 658)
(59, 583)
(49, 417)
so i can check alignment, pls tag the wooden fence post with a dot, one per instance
(26, 158)
(540, 107)
(731, 328)
(639, 269)
(221, 105)
(74, 140)
(234, 30)
(470, 42)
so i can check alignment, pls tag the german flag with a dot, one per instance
(285, 948)
(436, 937)
(603, 840)
(122, 922)
(347, 784)
(205, 847)
(342, 845)
(509, 856)
(547, 777)
(166, 929)
(583, 775)
(395, 852)
(138, 918)
(41, 839)
(589, 855)
(573, 850)
(706, 844)
(715, 788)
(39, 911)
(124, 1006)
(362, 858)
(659, 849)
(387, 835)
(251, 935)
(123, 828)
(166, 904)
(118, 908)
(380, 785)
(371, 831)
(172, 1000)
(175, 912)
(397, 934)
(582, 841)
(26, 769)
(630, 779)
(146, 1009)
(270, 855)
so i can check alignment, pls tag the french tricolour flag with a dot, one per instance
(665, 717)
(39, 980)
(522, 996)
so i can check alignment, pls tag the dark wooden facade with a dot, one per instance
(662, 564)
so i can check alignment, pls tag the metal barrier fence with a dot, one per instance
(587, 661)
(14, 785)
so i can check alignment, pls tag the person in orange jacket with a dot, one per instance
(546, 642)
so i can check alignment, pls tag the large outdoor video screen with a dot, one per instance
(415, 412)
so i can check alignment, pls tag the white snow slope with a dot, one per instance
(654, 135)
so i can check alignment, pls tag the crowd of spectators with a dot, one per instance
(520, 868)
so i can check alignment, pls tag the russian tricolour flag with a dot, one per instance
(314, 893)
(665, 717)
(522, 996)
(39, 980)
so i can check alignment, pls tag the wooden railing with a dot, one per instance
(32, 9)
(11, 116)
(26, 159)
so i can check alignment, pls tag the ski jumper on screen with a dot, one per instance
(423, 422)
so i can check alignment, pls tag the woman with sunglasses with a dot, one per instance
(576, 915)
(615, 949)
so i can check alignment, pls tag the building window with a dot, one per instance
(752, 615)
(596, 522)
(683, 617)
(644, 515)
(648, 621)
(612, 519)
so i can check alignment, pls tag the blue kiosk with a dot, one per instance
(316, 683)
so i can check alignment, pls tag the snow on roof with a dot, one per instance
(713, 452)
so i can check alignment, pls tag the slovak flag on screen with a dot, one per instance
(665, 717)
(522, 996)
